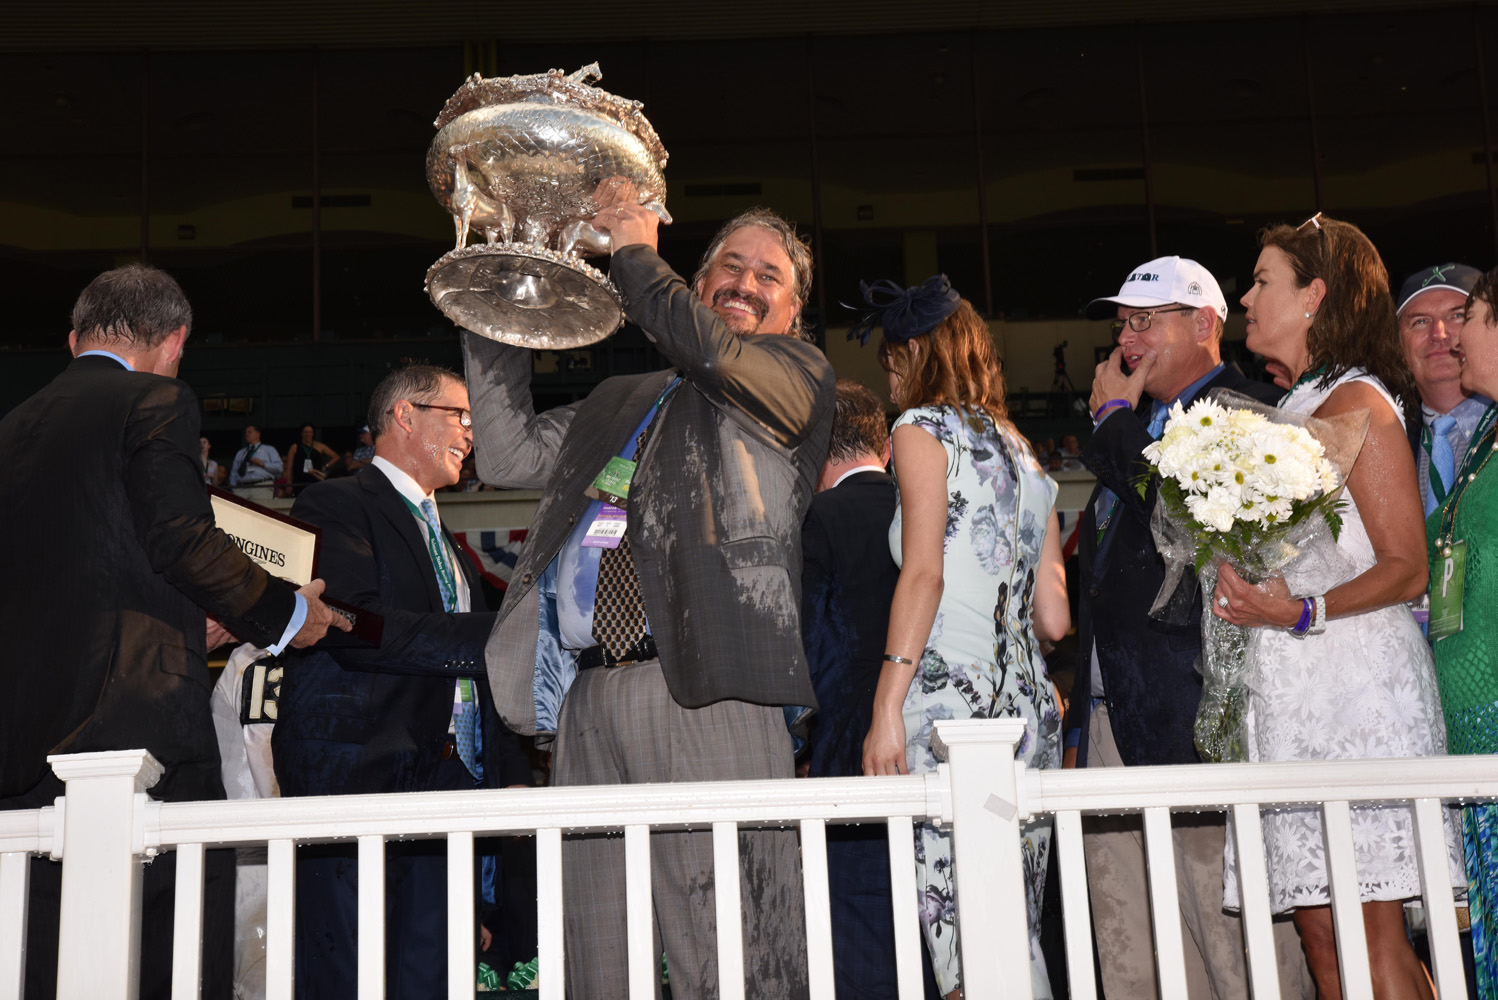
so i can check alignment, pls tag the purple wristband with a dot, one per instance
(1109, 405)
(1307, 607)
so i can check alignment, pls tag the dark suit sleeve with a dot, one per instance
(778, 385)
(817, 568)
(412, 642)
(174, 521)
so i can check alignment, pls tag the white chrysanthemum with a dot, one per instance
(1330, 479)
(1245, 421)
(1216, 509)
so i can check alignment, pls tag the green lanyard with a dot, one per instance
(1483, 445)
(1427, 444)
(445, 580)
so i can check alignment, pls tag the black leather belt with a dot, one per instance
(597, 656)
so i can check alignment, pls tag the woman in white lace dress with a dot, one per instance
(1346, 670)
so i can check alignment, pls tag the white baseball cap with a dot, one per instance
(1162, 282)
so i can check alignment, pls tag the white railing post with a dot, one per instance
(15, 879)
(103, 831)
(992, 921)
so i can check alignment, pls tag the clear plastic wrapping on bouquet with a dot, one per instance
(1304, 552)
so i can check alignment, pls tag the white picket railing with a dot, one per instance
(106, 823)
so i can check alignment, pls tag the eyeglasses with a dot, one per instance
(1140, 321)
(464, 417)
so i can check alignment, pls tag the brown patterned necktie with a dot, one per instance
(618, 609)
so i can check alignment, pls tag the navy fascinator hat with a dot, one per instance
(905, 312)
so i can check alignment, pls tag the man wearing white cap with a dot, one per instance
(1137, 690)
(1432, 309)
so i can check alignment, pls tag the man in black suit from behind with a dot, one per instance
(355, 719)
(1137, 688)
(111, 549)
(847, 583)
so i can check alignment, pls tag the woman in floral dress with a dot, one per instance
(1355, 678)
(981, 580)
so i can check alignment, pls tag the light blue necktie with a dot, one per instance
(1157, 422)
(1442, 462)
(1107, 501)
(466, 700)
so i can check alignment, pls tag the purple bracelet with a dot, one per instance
(1307, 609)
(1110, 404)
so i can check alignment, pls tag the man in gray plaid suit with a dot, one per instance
(691, 537)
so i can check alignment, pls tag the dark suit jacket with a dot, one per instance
(715, 507)
(355, 719)
(112, 557)
(847, 583)
(1149, 671)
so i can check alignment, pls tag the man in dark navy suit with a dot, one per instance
(1137, 689)
(113, 558)
(847, 582)
(405, 716)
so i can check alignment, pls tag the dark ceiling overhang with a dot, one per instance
(97, 25)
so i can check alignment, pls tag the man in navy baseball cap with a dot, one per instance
(1432, 309)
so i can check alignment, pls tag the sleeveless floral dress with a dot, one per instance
(982, 660)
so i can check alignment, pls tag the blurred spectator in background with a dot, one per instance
(362, 455)
(256, 466)
(309, 460)
(212, 473)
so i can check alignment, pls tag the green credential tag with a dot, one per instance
(1446, 584)
(612, 484)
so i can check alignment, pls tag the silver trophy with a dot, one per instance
(518, 159)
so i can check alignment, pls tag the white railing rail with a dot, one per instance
(106, 824)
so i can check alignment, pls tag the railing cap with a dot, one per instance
(950, 733)
(137, 764)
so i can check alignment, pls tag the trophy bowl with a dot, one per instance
(518, 159)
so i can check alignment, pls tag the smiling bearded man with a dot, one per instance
(659, 590)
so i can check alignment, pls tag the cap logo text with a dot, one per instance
(1142, 276)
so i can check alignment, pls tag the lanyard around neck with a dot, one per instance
(447, 583)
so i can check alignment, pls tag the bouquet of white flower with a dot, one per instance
(1259, 488)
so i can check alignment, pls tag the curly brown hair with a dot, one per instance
(1486, 292)
(956, 366)
(1355, 325)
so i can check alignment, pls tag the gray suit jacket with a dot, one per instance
(715, 505)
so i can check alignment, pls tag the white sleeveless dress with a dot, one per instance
(1366, 687)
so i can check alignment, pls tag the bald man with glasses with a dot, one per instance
(1137, 689)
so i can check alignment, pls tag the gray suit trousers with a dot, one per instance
(1119, 892)
(621, 726)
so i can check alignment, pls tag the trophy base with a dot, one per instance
(525, 295)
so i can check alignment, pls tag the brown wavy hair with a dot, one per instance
(956, 366)
(1355, 325)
